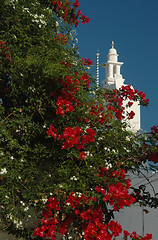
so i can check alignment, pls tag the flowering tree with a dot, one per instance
(63, 153)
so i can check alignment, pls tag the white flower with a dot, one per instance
(74, 178)
(3, 171)
(26, 209)
(76, 40)
(100, 138)
(88, 153)
(108, 165)
(32, 89)
(26, 9)
(70, 237)
(44, 200)
(74, 63)
(78, 194)
(68, 204)
(43, 22)
(10, 216)
(22, 203)
(18, 223)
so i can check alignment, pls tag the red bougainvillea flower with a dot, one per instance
(87, 62)
(82, 155)
(61, 38)
(126, 233)
(134, 235)
(154, 129)
(131, 115)
(148, 236)
(115, 228)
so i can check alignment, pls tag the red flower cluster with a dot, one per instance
(61, 102)
(73, 137)
(99, 114)
(4, 51)
(87, 62)
(76, 4)
(116, 103)
(154, 129)
(85, 79)
(61, 38)
(116, 97)
(49, 221)
(115, 228)
(131, 115)
(81, 209)
(135, 236)
(116, 194)
(52, 131)
(77, 201)
(148, 236)
(84, 19)
(66, 99)
(142, 95)
(118, 112)
(68, 12)
(91, 218)
(133, 94)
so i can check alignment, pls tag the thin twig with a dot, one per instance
(149, 182)
(7, 117)
(7, 226)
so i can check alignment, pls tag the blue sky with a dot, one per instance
(133, 26)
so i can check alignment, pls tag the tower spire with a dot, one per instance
(112, 44)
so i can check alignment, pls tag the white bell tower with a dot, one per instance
(113, 77)
(114, 80)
